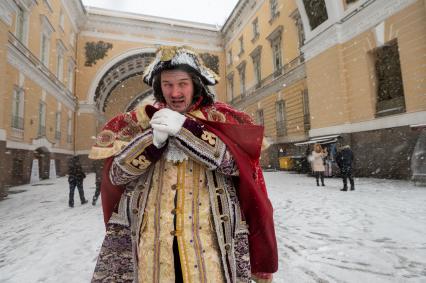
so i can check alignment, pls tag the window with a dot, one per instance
(241, 45)
(273, 5)
(390, 88)
(275, 39)
(72, 39)
(61, 20)
(60, 51)
(45, 46)
(60, 66)
(299, 25)
(47, 30)
(281, 118)
(255, 27)
(276, 56)
(229, 57)
(259, 117)
(242, 72)
(20, 24)
(316, 11)
(306, 115)
(42, 119)
(18, 109)
(70, 81)
(255, 56)
(230, 79)
(48, 5)
(58, 126)
(69, 128)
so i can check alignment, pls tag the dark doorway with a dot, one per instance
(43, 156)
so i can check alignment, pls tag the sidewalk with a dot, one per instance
(373, 234)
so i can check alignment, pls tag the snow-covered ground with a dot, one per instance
(376, 233)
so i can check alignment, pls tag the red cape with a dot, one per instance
(244, 142)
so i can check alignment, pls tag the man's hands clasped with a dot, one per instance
(165, 122)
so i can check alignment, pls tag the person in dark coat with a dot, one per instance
(75, 179)
(344, 159)
(98, 166)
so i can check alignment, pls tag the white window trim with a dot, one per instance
(71, 75)
(62, 20)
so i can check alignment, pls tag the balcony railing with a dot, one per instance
(14, 41)
(271, 78)
(17, 122)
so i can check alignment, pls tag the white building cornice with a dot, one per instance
(76, 13)
(22, 63)
(239, 19)
(400, 120)
(350, 24)
(139, 29)
(126, 16)
(87, 108)
(37, 143)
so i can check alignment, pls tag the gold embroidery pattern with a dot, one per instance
(130, 130)
(141, 162)
(214, 115)
(209, 137)
(105, 138)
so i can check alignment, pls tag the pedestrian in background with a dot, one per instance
(344, 159)
(75, 179)
(317, 162)
(98, 166)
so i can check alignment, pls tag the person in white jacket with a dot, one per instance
(317, 162)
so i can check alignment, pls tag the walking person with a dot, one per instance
(344, 159)
(75, 179)
(98, 166)
(317, 163)
(183, 194)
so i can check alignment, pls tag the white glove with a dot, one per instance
(159, 138)
(168, 121)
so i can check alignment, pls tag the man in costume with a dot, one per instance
(183, 195)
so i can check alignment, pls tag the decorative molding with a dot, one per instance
(105, 68)
(46, 25)
(37, 144)
(366, 16)
(21, 63)
(82, 152)
(275, 34)
(127, 18)
(213, 45)
(154, 29)
(95, 51)
(76, 13)
(7, 8)
(256, 52)
(394, 121)
(87, 108)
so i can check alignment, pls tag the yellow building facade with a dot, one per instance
(366, 69)
(66, 69)
(265, 72)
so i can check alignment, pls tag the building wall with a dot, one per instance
(342, 91)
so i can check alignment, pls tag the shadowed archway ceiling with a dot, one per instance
(131, 66)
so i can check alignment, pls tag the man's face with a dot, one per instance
(178, 90)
